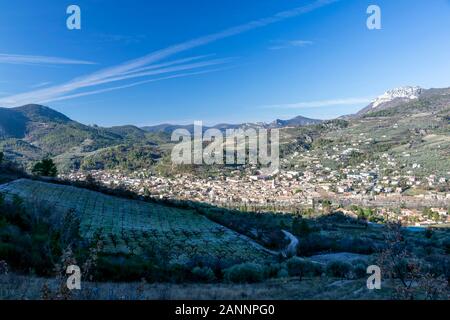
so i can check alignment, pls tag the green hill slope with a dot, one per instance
(128, 226)
(31, 132)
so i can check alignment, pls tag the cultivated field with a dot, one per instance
(129, 226)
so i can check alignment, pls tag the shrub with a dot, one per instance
(282, 273)
(178, 273)
(214, 263)
(315, 243)
(272, 270)
(360, 245)
(126, 268)
(204, 274)
(298, 267)
(33, 238)
(360, 270)
(3, 267)
(244, 273)
(338, 269)
(438, 265)
(446, 245)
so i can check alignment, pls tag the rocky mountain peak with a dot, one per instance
(407, 93)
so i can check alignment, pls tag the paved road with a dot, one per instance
(291, 249)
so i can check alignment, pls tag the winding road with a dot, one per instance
(291, 249)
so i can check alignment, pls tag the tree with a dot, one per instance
(326, 205)
(90, 180)
(46, 168)
(300, 227)
(410, 276)
(296, 226)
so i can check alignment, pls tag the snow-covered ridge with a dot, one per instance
(407, 92)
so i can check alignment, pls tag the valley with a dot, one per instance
(344, 189)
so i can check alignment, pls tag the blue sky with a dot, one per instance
(148, 62)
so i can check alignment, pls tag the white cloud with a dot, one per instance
(170, 63)
(41, 84)
(290, 44)
(134, 84)
(59, 92)
(300, 43)
(136, 66)
(182, 67)
(38, 60)
(320, 103)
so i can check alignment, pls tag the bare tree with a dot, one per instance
(408, 274)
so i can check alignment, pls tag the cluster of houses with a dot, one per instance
(367, 177)
(420, 218)
(285, 188)
(303, 178)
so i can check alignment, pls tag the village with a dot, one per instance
(288, 190)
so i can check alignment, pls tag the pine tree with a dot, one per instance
(46, 168)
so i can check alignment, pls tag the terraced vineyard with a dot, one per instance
(129, 226)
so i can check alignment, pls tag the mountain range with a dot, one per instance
(31, 132)
(294, 122)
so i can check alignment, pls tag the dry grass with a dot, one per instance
(22, 287)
